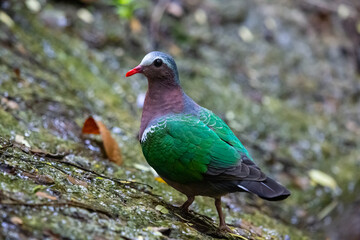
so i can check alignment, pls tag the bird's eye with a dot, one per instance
(158, 62)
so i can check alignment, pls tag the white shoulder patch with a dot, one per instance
(148, 130)
(152, 128)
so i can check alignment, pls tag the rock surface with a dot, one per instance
(282, 76)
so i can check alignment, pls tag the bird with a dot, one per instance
(191, 148)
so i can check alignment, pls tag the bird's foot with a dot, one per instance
(184, 209)
(222, 226)
(225, 228)
(186, 205)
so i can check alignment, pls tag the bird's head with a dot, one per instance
(157, 66)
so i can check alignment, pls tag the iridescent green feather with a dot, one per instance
(181, 147)
(222, 130)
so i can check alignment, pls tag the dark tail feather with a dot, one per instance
(268, 189)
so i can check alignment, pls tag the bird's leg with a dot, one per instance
(222, 225)
(186, 205)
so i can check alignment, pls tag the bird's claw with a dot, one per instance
(184, 209)
(225, 228)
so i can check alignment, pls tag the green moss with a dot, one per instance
(8, 125)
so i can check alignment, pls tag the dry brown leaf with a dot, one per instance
(45, 195)
(16, 220)
(90, 126)
(111, 147)
(76, 181)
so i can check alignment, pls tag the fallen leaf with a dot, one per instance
(322, 179)
(90, 126)
(111, 147)
(21, 140)
(16, 220)
(162, 209)
(45, 195)
(76, 181)
(159, 179)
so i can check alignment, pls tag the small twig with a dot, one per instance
(119, 181)
(40, 153)
(60, 204)
(54, 158)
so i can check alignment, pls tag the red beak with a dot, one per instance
(133, 71)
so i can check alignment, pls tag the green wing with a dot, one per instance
(222, 130)
(184, 148)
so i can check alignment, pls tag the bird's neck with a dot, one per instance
(161, 99)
